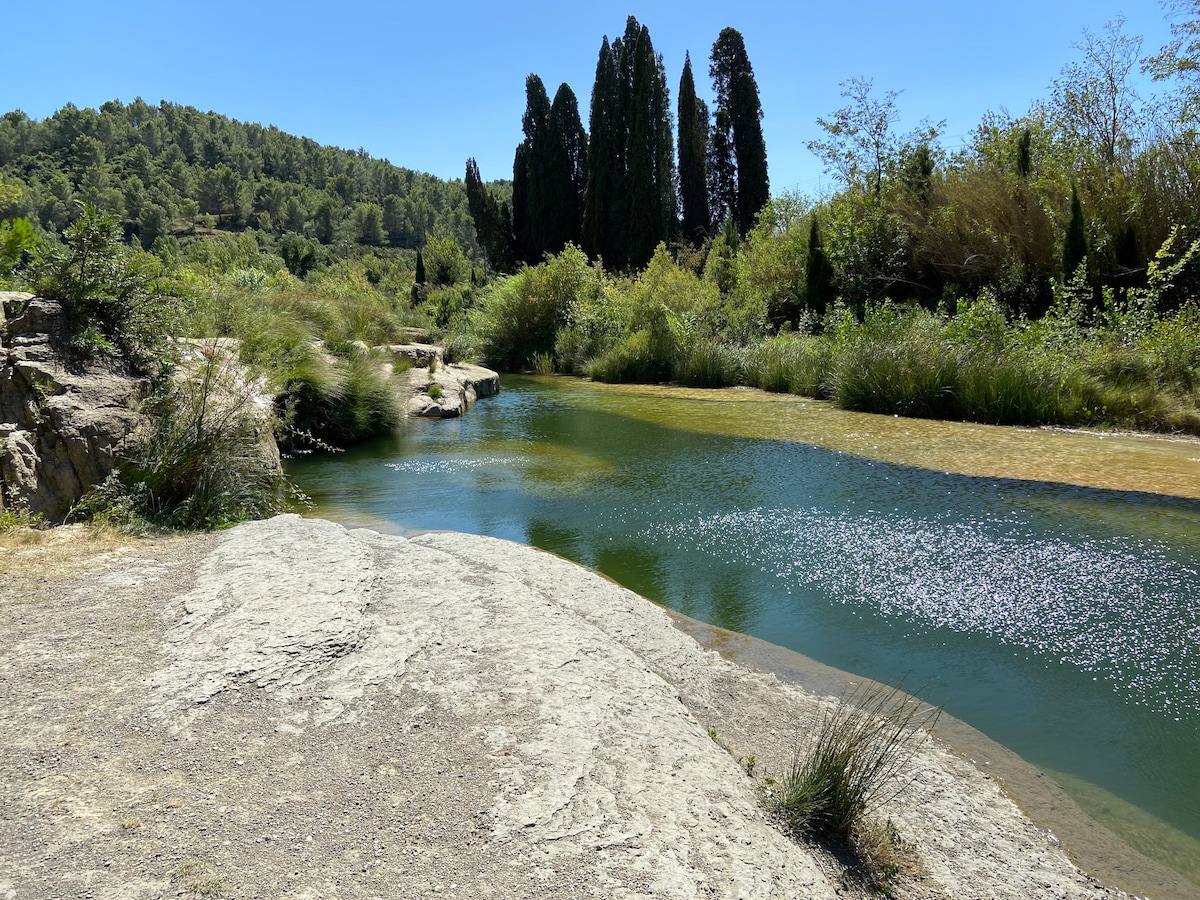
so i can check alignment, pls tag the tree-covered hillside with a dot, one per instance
(173, 170)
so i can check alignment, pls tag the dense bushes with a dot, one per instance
(1122, 363)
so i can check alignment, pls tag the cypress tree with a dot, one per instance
(722, 173)
(491, 228)
(533, 166)
(1024, 155)
(651, 154)
(419, 274)
(520, 205)
(602, 194)
(818, 273)
(566, 172)
(737, 96)
(1075, 248)
(693, 150)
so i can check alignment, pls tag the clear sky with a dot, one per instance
(428, 84)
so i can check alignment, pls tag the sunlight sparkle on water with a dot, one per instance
(1072, 602)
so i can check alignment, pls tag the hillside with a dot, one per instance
(174, 170)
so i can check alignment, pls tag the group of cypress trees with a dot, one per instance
(617, 190)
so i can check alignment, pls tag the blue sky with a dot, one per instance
(427, 85)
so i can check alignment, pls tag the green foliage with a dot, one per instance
(443, 262)
(519, 317)
(739, 118)
(299, 254)
(1075, 243)
(341, 400)
(17, 239)
(203, 465)
(112, 295)
(693, 153)
(171, 169)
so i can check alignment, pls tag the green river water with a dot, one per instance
(1045, 586)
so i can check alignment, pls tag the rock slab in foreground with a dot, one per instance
(292, 709)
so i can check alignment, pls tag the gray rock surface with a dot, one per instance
(458, 386)
(290, 709)
(62, 424)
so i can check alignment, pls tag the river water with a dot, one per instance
(1043, 586)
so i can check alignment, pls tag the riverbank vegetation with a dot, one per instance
(852, 763)
(1046, 273)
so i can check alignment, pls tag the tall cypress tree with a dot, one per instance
(602, 202)
(818, 273)
(1075, 248)
(722, 173)
(520, 205)
(493, 227)
(651, 154)
(693, 150)
(737, 96)
(566, 171)
(532, 167)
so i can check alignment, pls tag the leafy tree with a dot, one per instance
(299, 254)
(693, 150)
(860, 144)
(1094, 103)
(737, 96)
(1180, 59)
(368, 224)
(17, 239)
(444, 262)
(110, 294)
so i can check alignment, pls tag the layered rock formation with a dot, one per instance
(290, 709)
(62, 423)
(441, 390)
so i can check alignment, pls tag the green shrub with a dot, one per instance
(340, 401)
(203, 465)
(112, 294)
(521, 315)
(857, 758)
(796, 364)
(709, 364)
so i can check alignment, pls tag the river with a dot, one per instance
(1043, 586)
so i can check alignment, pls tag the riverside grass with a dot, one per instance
(853, 761)
(1124, 364)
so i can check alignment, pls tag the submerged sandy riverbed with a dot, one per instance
(292, 709)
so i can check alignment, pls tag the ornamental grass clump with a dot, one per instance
(857, 758)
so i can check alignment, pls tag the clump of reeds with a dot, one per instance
(856, 759)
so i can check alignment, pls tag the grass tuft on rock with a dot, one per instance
(856, 759)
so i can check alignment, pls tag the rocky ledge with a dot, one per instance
(441, 390)
(62, 423)
(291, 709)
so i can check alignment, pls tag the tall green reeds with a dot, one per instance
(857, 758)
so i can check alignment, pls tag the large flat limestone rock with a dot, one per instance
(291, 709)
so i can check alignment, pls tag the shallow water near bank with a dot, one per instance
(1043, 583)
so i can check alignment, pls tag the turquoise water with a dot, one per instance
(1061, 621)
